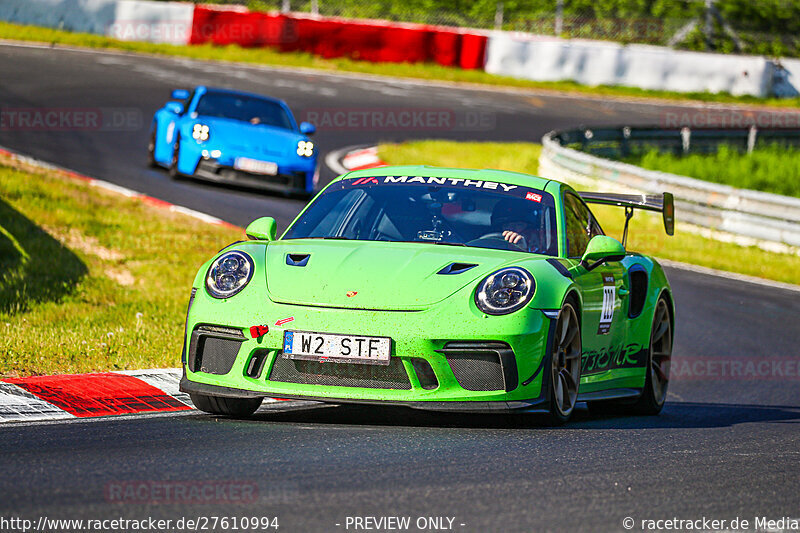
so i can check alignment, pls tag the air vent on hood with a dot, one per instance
(456, 268)
(298, 260)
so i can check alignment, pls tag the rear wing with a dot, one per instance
(663, 203)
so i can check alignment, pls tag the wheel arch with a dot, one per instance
(573, 296)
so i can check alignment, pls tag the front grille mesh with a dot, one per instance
(477, 371)
(215, 355)
(391, 376)
(482, 365)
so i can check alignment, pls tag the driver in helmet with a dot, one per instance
(518, 222)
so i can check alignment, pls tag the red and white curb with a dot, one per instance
(90, 395)
(363, 158)
(108, 186)
(102, 394)
(353, 158)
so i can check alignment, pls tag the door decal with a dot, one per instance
(609, 299)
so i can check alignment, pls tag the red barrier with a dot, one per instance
(366, 41)
(473, 51)
(446, 48)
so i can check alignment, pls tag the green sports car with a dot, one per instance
(435, 288)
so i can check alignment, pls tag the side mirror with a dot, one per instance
(174, 107)
(601, 249)
(180, 94)
(307, 128)
(668, 213)
(262, 229)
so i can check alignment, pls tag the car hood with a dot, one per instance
(372, 275)
(255, 139)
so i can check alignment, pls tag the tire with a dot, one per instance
(565, 365)
(151, 150)
(217, 405)
(658, 362)
(173, 165)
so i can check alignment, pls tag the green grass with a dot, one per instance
(268, 56)
(774, 169)
(647, 231)
(91, 280)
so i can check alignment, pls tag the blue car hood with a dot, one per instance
(253, 139)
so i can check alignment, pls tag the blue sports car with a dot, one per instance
(234, 137)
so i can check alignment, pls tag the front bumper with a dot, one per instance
(294, 182)
(538, 405)
(441, 359)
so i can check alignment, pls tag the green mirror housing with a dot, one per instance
(601, 249)
(262, 229)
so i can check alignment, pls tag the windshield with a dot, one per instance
(245, 108)
(481, 214)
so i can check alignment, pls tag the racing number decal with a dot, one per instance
(609, 298)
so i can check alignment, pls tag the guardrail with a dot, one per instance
(768, 220)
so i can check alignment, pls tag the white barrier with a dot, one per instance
(130, 20)
(155, 22)
(769, 221)
(648, 67)
(787, 78)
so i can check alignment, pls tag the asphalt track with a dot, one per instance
(723, 448)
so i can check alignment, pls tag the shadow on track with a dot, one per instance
(675, 415)
(34, 267)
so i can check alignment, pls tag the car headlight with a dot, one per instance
(229, 274)
(505, 291)
(201, 132)
(305, 148)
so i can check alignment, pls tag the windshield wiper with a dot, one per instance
(448, 243)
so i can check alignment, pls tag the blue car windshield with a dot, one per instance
(435, 210)
(245, 108)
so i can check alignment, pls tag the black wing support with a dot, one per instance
(664, 203)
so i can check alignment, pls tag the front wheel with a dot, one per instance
(217, 405)
(565, 367)
(174, 173)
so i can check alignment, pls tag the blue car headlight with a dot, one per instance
(305, 148)
(505, 291)
(229, 274)
(201, 132)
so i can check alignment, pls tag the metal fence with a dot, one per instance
(624, 141)
(771, 221)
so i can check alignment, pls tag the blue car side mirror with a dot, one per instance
(174, 107)
(180, 94)
(307, 128)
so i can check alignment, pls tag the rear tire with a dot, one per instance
(565, 365)
(659, 357)
(217, 405)
(151, 150)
